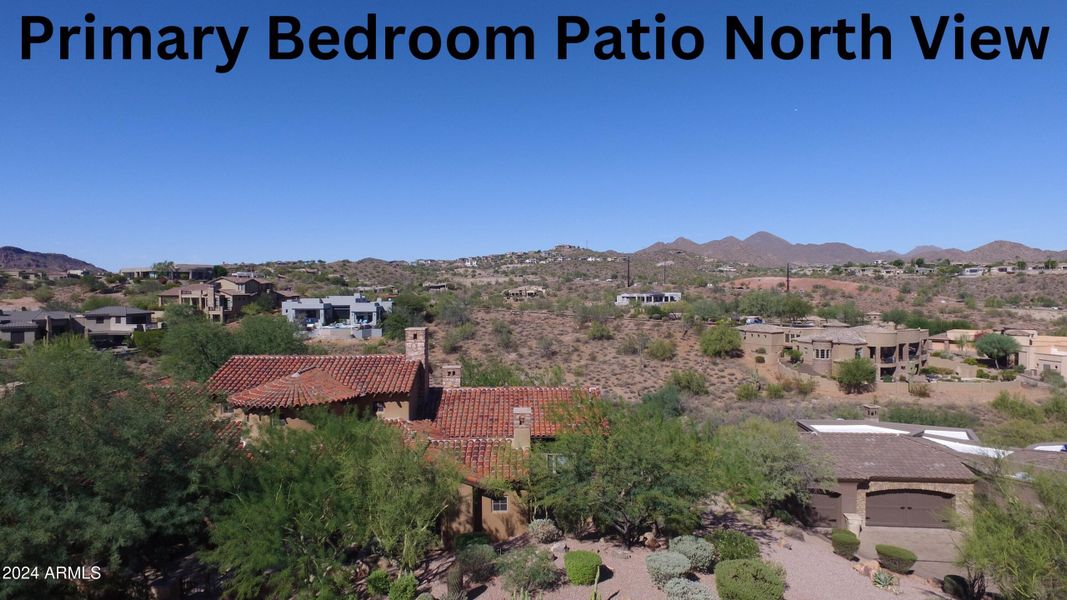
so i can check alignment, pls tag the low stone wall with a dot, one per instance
(970, 392)
(963, 370)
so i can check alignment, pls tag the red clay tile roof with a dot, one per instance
(309, 386)
(364, 375)
(488, 412)
(886, 457)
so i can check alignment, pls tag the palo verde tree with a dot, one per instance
(720, 340)
(856, 376)
(98, 469)
(1019, 543)
(997, 346)
(623, 470)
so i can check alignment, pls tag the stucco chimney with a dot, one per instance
(523, 420)
(870, 412)
(453, 377)
(416, 347)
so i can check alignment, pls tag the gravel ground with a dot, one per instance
(813, 572)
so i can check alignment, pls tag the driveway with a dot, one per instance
(936, 548)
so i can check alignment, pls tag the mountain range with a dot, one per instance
(12, 258)
(767, 250)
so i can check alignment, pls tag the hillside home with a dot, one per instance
(894, 351)
(339, 316)
(488, 431)
(222, 298)
(111, 326)
(28, 326)
(972, 272)
(181, 271)
(524, 292)
(647, 298)
(1039, 353)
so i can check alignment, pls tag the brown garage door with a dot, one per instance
(908, 508)
(826, 507)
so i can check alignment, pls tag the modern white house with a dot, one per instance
(647, 298)
(339, 316)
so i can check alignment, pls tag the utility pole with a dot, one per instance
(629, 282)
(787, 278)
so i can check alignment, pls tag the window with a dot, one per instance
(500, 504)
(822, 353)
(555, 462)
(379, 407)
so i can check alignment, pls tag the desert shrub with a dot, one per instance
(634, 343)
(761, 359)
(683, 589)
(775, 391)
(505, 336)
(746, 392)
(149, 342)
(665, 566)
(582, 566)
(406, 587)
(895, 558)
(749, 579)
(847, 412)
(919, 389)
(455, 337)
(544, 531)
(734, 545)
(599, 331)
(972, 587)
(528, 569)
(473, 538)
(546, 346)
(761, 350)
(701, 553)
(1017, 407)
(661, 349)
(689, 380)
(805, 387)
(926, 415)
(378, 582)
(454, 584)
(666, 401)
(856, 375)
(478, 562)
(425, 596)
(845, 543)
(883, 580)
(794, 355)
(1053, 378)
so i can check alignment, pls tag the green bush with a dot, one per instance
(1017, 407)
(665, 566)
(599, 331)
(661, 349)
(378, 582)
(528, 569)
(749, 579)
(478, 562)
(149, 342)
(760, 360)
(701, 553)
(471, 539)
(746, 392)
(425, 596)
(689, 380)
(734, 545)
(582, 566)
(406, 587)
(845, 543)
(683, 589)
(896, 559)
(775, 391)
(544, 531)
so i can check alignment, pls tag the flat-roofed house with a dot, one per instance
(20, 327)
(113, 325)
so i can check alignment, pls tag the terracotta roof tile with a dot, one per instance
(363, 375)
(309, 386)
(488, 412)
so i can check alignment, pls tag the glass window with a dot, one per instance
(500, 504)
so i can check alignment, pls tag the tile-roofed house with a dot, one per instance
(387, 384)
(487, 412)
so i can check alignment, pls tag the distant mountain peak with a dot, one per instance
(13, 258)
(767, 250)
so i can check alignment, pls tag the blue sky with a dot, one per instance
(126, 163)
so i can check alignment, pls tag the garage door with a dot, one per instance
(826, 507)
(908, 508)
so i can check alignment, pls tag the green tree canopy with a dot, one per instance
(308, 499)
(766, 465)
(997, 346)
(1019, 543)
(98, 469)
(621, 469)
(720, 340)
(857, 375)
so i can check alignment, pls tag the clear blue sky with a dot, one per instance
(125, 163)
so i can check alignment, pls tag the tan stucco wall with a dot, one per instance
(474, 512)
